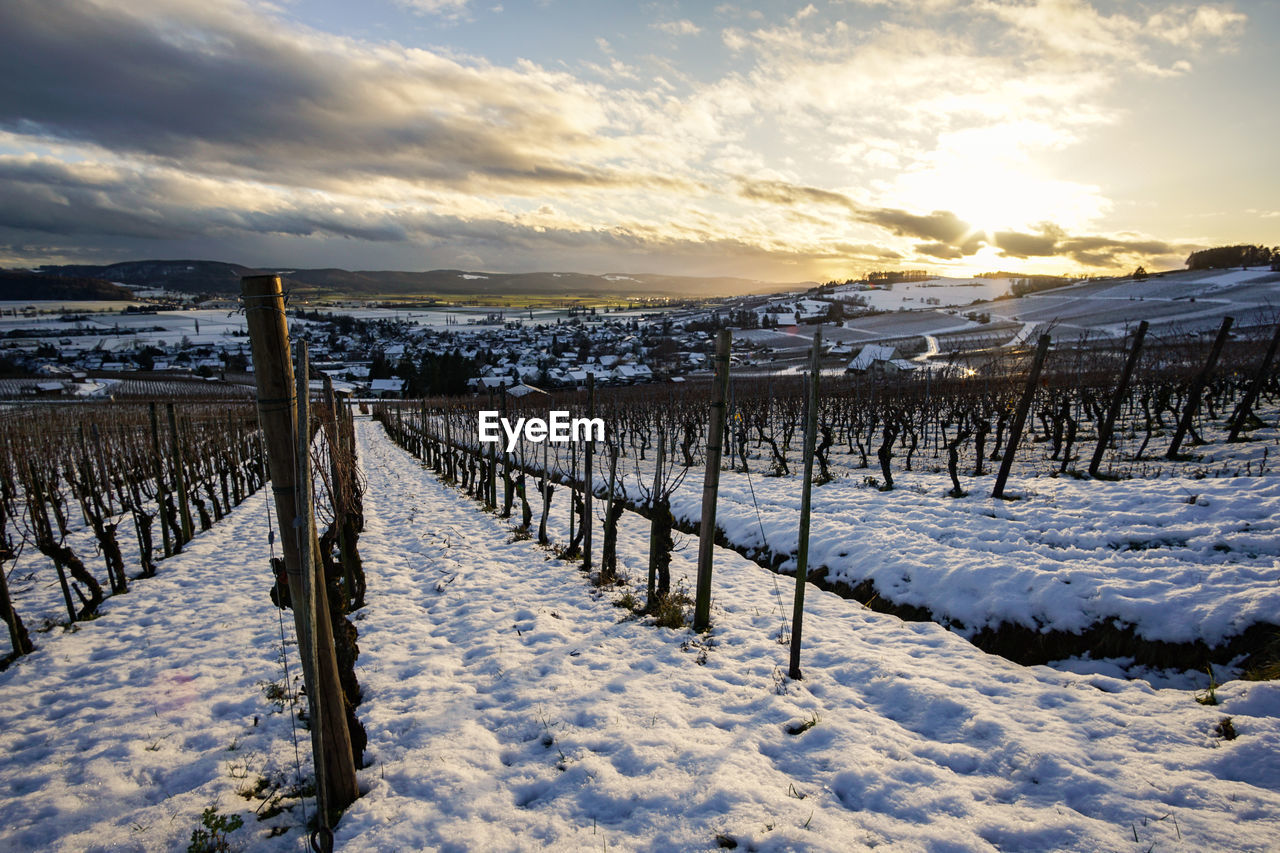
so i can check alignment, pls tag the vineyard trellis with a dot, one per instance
(115, 465)
(957, 423)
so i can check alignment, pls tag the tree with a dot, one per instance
(1140, 274)
(1226, 257)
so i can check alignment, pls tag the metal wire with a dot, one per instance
(284, 657)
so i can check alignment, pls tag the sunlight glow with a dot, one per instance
(990, 180)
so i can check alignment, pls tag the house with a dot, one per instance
(873, 356)
(387, 388)
(523, 390)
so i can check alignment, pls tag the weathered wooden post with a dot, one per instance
(588, 457)
(282, 434)
(1197, 389)
(1020, 416)
(655, 508)
(508, 485)
(802, 553)
(711, 484)
(179, 476)
(491, 475)
(1117, 399)
(1245, 410)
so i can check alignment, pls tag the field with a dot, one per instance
(510, 705)
(508, 699)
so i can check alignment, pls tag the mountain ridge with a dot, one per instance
(218, 277)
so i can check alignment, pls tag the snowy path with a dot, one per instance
(509, 709)
(117, 735)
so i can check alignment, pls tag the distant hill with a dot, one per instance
(187, 276)
(23, 285)
(224, 278)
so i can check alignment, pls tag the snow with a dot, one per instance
(510, 706)
(1179, 560)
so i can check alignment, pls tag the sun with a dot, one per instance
(991, 181)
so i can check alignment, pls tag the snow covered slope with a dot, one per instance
(509, 708)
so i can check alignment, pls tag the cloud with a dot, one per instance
(781, 192)
(1014, 244)
(940, 250)
(240, 95)
(683, 27)
(224, 123)
(450, 10)
(1194, 27)
(1105, 251)
(1076, 32)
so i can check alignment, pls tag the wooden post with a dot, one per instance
(1020, 416)
(573, 513)
(802, 553)
(711, 484)
(588, 454)
(655, 498)
(1245, 409)
(1197, 389)
(322, 711)
(507, 494)
(491, 475)
(1117, 399)
(277, 413)
(180, 480)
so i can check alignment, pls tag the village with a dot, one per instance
(380, 353)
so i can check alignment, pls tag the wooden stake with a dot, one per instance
(588, 454)
(711, 485)
(1117, 399)
(802, 554)
(1197, 389)
(277, 413)
(1020, 416)
(655, 499)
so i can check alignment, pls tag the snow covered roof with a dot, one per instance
(523, 390)
(872, 353)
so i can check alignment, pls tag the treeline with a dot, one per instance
(18, 285)
(435, 374)
(895, 276)
(1022, 285)
(1226, 257)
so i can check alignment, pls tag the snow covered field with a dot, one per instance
(510, 707)
(1179, 559)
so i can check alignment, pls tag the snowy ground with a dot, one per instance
(1177, 558)
(509, 708)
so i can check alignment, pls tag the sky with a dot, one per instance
(781, 141)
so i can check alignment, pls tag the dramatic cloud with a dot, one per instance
(820, 141)
(1087, 250)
